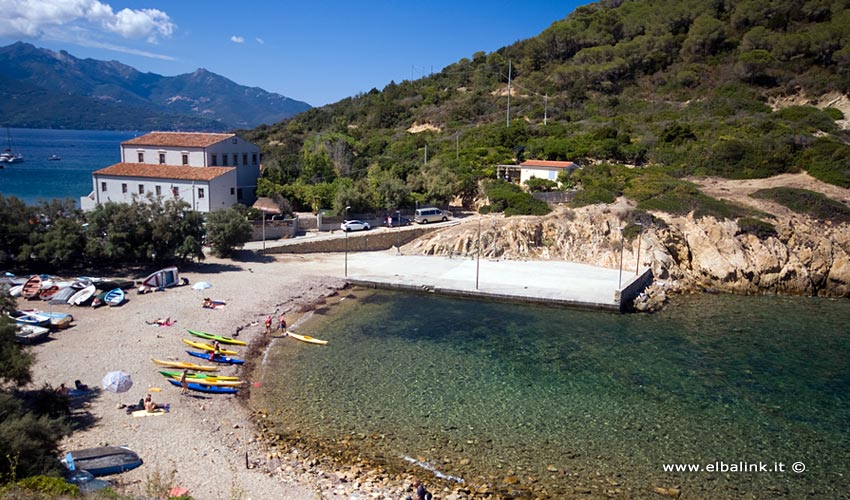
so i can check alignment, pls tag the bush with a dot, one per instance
(227, 230)
(53, 486)
(758, 228)
(807, 202)
(510, 199)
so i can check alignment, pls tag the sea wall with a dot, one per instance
(806, 257)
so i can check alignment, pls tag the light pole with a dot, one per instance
(478, 253)
(640, 239)
(345, 218)
(620, 280)
(398, 232)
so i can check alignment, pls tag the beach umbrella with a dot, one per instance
(201, 285)
(117, 381)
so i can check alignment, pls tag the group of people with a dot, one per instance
(281, 324)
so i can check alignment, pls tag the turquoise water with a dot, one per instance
(82, 152)
(548, 402)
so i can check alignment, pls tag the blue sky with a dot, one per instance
(318, 52)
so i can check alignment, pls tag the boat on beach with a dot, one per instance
(30, 318)
(103, 460)
(164, 278)
(203, 387)
(218, 358)
(183, 364)
(31, 288)
(31, 334)
(82, 296)
(222, 340)
(197, 376)
(207, 347)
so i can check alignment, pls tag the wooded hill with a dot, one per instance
(673, 87)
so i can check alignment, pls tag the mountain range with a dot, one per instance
(47, 89)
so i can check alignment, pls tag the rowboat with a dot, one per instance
(197, 376)
(82, 296)
(15, 291)
(104, 460)
(164, 278)
(31, 334)
(58, 321)
(32, 287)
(307, 338)
(183, 364)
(218, 358)
(114, 297)
(206, 347)
(210, 389)
(48, 293)
(99, 299)
(62, 296)
(30, 318)
(223, 340)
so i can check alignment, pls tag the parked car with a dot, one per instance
(354, 225)
(426, 215)
(397, 220)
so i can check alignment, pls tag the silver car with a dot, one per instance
(354, 225)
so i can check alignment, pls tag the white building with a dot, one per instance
(543, 169)
(209, 171)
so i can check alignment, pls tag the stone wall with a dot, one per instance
(360, 241)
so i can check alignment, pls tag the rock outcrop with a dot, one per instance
(806, 257)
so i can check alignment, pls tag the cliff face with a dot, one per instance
(806, 257)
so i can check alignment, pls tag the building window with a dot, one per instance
(244, 158)
(253, 158)
(141, 189)
(159, 190)
(124, 187)
(141, 156)
(162, 158)
(239, 194)
(235, 141)
(214, 160)
(232, 191)
(103, 186)
(235, 159)
(185, 158)
(200, 192)
(175, 191)
(224, 159)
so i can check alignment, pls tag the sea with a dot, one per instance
(39, 179)
(748, 396)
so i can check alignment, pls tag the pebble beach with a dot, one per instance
(206, 444)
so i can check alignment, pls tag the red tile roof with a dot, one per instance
(164, 171)
(178, 139)
(548, 164)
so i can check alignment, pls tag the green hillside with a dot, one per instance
(673, 88)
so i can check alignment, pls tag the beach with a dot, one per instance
(206, 443)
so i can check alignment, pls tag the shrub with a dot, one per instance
(53, 486)
(757, 227)
(807, 202)
(510, 199)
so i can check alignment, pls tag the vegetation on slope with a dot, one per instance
(683, 87)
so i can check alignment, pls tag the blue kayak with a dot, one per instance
(217, 359)
(211, 389)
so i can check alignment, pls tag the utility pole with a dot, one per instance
(545, 107)
(508, 118)
(426, 155)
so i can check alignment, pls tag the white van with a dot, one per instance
(426, 215)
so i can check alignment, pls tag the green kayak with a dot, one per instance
(196, 376)
(223, 340)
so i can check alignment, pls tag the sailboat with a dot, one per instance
(8, 155)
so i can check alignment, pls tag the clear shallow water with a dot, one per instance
(554, 402)
(82, 152)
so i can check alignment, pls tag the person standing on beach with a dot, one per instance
(282, 324)
(184, 385)
(269, 324)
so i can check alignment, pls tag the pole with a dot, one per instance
(478, 254)
(426, 155)
(264, 232)
(640, 240)
(508, 118)
(620, 281)
(398, 232)
(545, 107)
(346, 243)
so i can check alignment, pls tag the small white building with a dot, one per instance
(544, 169)
(209, 171)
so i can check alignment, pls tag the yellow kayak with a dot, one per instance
(207, 347)
(307, 338)
(183, 364)
(197, 377)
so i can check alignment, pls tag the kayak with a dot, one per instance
(197, 376)
(210, 389)
(206, 347)
(218, 358)
(223, 340)
(211, 382)
(183, 364)
(307, 338)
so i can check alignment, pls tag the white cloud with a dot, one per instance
(237, 39)
(260, 41)
(33, 18)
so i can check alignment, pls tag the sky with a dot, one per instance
(315, 51)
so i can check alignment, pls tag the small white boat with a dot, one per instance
(82, 296)
(164, 278)
(54, 158)
(15, 291)
(30, 334)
